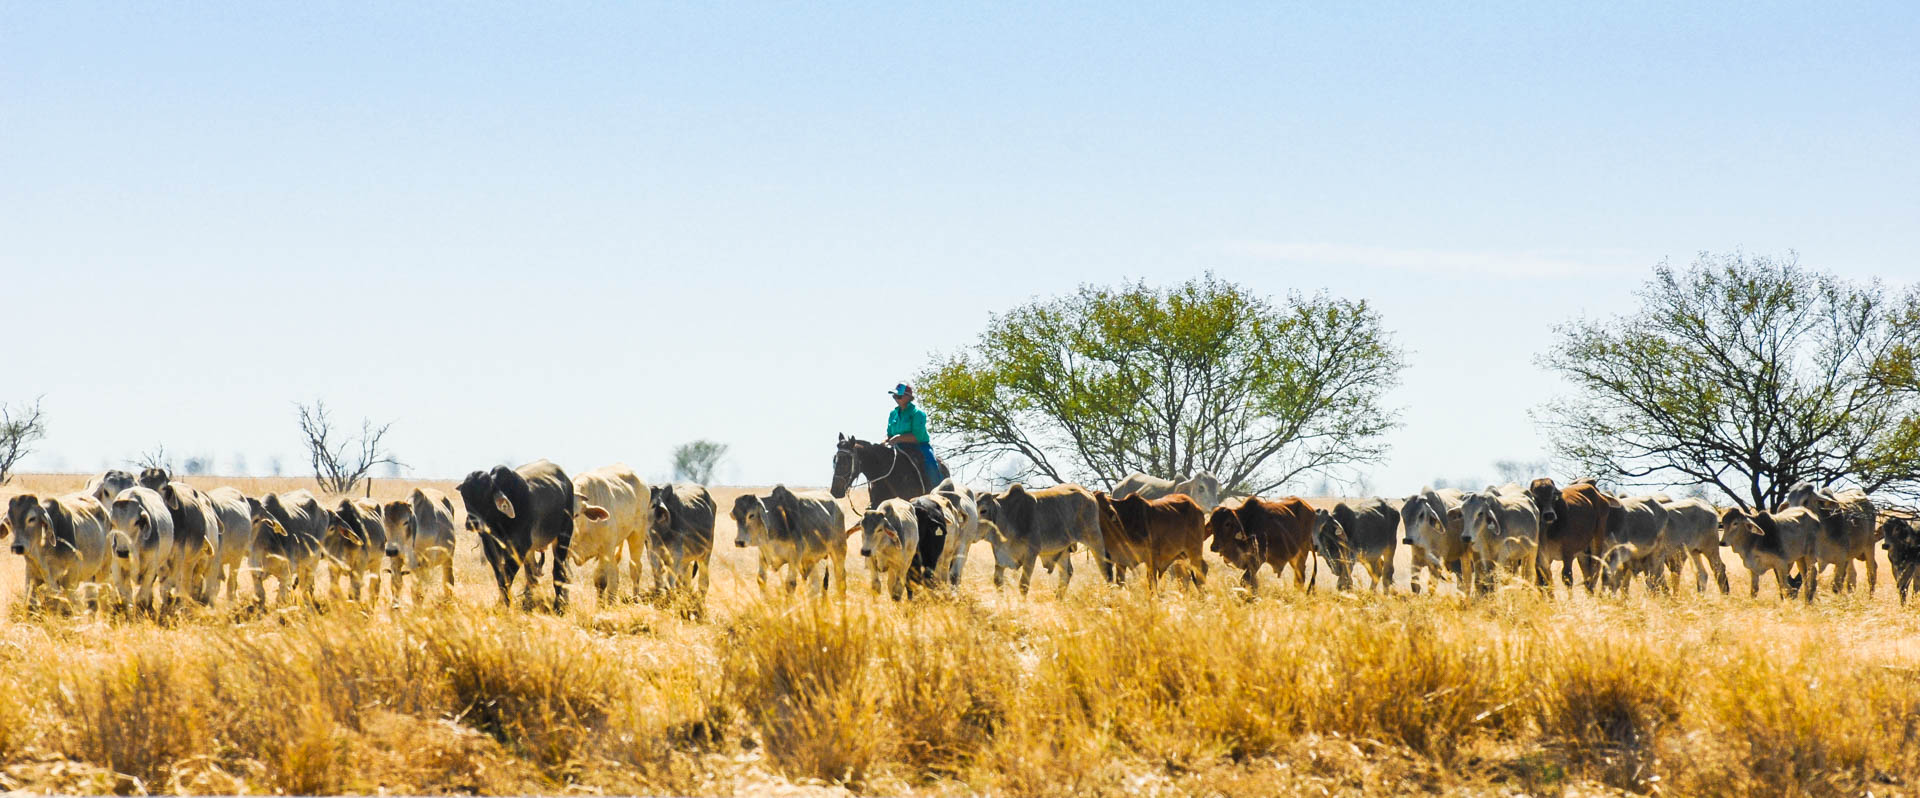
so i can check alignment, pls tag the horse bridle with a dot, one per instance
(853, 473)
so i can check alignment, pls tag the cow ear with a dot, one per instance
(170, 496)
(503, 504)
(1455, 514)
(594, 512)
(140, 524)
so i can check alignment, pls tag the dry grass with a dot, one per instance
(1104, 692)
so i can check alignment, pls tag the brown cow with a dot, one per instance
(1573, 529)
(1160, 533)
(1255, 532)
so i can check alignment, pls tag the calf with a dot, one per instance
(1692, 533)
(1773, 542)
(890, 540)
(420, 539)
(287, 530)
(142, 542)
(1254, 532)
(1503, 527)
(1040, 526)
(355, 546)
(1635, 543)
(196, 540)
(1430, 520)
(682, 536)
(64, 543)
(795, 532)
(1902, 543)
(522, 511)
(1164, 532)
(236, 537)
(1361, 532)
(611, 517)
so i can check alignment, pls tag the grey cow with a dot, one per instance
(1040, 526)
(236, 537)
(681, 536)
(1634, 545)
(64, 543)
(420, 540)
(142, 543)
(795, 531)
(1360, 532)
(1201, 486)
(1431, 521)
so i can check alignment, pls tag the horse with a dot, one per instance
(890, 472)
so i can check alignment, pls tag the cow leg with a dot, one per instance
(504, 570)
(560, 570)
(1873, 571)
(1026, 572)
(1066, 573)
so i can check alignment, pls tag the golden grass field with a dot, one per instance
(1107, 691)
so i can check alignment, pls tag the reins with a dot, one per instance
(854, 476)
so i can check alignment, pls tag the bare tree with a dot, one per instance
(20, 429)
(340, 464)
(155, 458)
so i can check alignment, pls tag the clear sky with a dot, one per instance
(592, 231)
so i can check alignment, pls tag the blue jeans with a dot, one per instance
(929, 467)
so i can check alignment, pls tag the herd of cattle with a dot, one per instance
(150, 542)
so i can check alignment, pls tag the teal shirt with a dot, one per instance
(908, 419)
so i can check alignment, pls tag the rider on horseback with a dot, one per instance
(907, 429)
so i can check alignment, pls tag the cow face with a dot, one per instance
(877, 533)
(1902, 542)
(991, 513)
(26, 522)
(1798, 496)
(1546, 496)
(1736, 526)
(1230, 538)
(341, 528)
(1479, 517)
(1328, 535)
(398, 518)
(657, 505)
(1421, 518)
(750, 518)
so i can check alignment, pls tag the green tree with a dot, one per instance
(694, 462)
(1110, 380)
(1747, 374)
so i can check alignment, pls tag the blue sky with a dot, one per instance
(593, 231)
